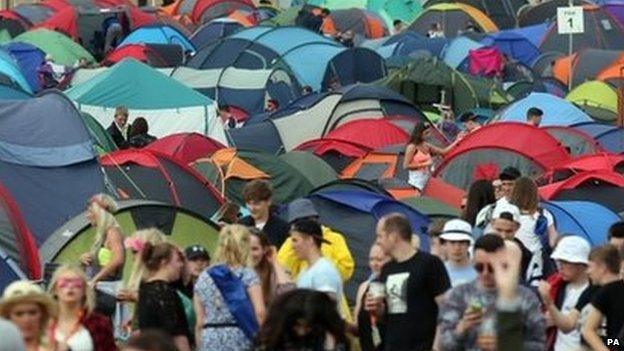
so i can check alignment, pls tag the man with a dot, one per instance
(119, 130)
(258, 196)
(320, 275)
(397, 26)
(197, 259)
(470, 121)
(457, 236)
(563, 290)
(272, 106)
(507, 179)
(608, 302)
(616, 234)
(534, 116)
(415, 285)
(435, 31)
(465, 317)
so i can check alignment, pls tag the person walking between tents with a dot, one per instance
(119, 130)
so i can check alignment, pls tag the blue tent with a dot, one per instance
(608, 136)
(214, 30)
(158, 34)
(557, 111)
(355, 213)
(29, 58)
(513, 45)
(11, 71)
(47, 164)
(587, 219)
(9, 271)
(406, 43)
(456, 53)
(533, 33)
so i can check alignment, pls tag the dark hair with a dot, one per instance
(489, 243)
(534, 111)
(418, 132)
(139, 126)
(228, 213)
(396, 21)
(151, 340)
(510, 173)
(264, 268)
(325, 11)
(257, 190)
(310, 227)
(317, 309)
(152, 256)
(609, 255)
(616, 230)
(397, 223)
(480, 194)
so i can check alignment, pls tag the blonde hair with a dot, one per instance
(100, 205)
(89, 294)
(152, 236)
(234, 246)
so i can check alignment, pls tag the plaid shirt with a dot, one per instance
(101, 331)
(460, 297)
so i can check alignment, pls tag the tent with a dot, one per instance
(39, 151)
(406, 44)
(183, 227)
(186, 147)
(453, 18)
(544, 11)
(586, 65)
(355, 213)
(169, 106)
(147, 175)
(455, 54)
(502, 12)
(316, 171)
(102, 141)
(497, 146)
(611, 138)
(230, 169)
(34, 13)
(159, 34)
(12, 24)
(10, 73)
(335, 152)
(214, 30)
(586, 219)
(155, 55)
(601, 161)
(575, 141)
(314, 116)
(62, 49)
(424, 80)
(388, 10)
(432, 207)
(28, 58)
(601, 32)
(522, 89)
(362, 23)
(514, 45)
(207, 10)
(598, 99)
(557, 111)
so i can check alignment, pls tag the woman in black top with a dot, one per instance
(139, 136)
(159, 305)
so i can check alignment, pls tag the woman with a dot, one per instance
(77, 327)
(418, 158)
(159, 305)
(376, 260)
(29, 308)
(273, 278)
(104, 261)
(479, 206)
(139, 136)
(303, 319)
(227, 321)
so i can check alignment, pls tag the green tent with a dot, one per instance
(431, 207)
(62, 49)
(183, 228)
(598, 99)
(102, 141)
(5, 36)
(287, 17)
(317, 171)
(388, 10)
(424, 79)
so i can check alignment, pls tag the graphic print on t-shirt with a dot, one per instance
(396, 286)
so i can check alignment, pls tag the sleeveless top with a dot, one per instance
(422, 159)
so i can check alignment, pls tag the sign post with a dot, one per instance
(570, 21)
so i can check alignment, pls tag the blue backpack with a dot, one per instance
(541, 230)
(235, 295)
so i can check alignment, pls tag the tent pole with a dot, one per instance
(620, 117)
(570, 49)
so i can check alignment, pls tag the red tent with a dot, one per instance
(598, 162)
(140, 52)
(186, 147)
(576, 141)
(438, 189)
(548, 192)
(525, 147)
(219, 8)
(372, 133)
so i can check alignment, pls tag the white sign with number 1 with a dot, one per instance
(570, 20)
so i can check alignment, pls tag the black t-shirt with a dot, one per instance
(609, 300)
(411, 309)
(160, 308)
(276, 229)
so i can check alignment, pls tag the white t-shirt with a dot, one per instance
(260, 226)
(526, 232)
(79, 341)
(572, 340)
(487, 211)
(322, 276)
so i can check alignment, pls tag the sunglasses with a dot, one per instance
(481, 267)
(70, 283)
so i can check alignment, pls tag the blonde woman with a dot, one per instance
(135, 243)
(228, 297)
(77, 327)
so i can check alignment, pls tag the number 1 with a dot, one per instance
(571, 22)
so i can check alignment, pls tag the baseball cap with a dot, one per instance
(196, 251)
(301, 208)
(309, 227)
(468, 116)
(456, 230)
(506, 211)
(510, 173)
(573, 249)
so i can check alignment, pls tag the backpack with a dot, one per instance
(541, 230)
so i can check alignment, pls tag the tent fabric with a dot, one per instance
(502, 12)
(432, 207)
(598, 99)
(457, 51)
(148, 175)
(525, 147)
(362, 23)
(158, 34)
(214, 30)
(575, 141)
(557, 111)
(316, 171)
(611, 138)
(186, 147)
(544, 12)
(10, 69)
(62, 49)
(453, 18)
(207, 10)
(139, 52)
(102, 141)
(586, 65)
(513, 45)
(485, 62)
(359, 132)
(522, 89)
(405, 44)
(606, 176)
(168, 105)
(29, 58)
(586, 219)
